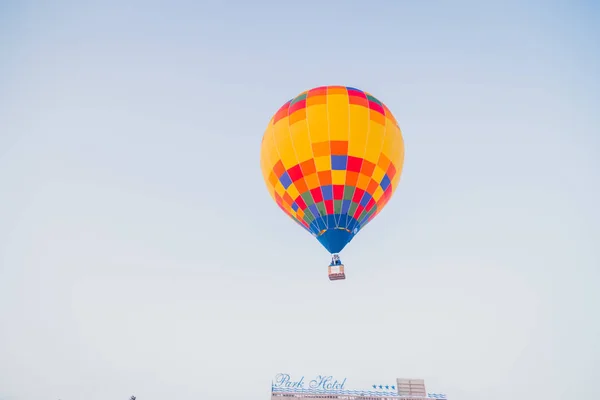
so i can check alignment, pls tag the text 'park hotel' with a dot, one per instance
(328, 387)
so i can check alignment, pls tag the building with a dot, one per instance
(411, 388)
(327, 387)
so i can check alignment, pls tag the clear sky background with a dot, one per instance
(140, 252)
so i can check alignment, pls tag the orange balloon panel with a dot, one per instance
(331, 159)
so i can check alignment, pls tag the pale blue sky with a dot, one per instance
(140, 252)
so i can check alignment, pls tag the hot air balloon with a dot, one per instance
(331, 158)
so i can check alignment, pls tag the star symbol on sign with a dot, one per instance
(394, 387)
(387, 387)
(380, 387)
(374, 386)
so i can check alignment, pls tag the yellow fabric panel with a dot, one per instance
(378, 174)
(359, 131)
(374, 142)
(265, 167)
(318, 125)
(293, 191)
(323, 163)
(268, 154)
(396, 145)
(301, 141)
(271, 152)
(279, 189)
(284, 144)
(337, 107)
(378, 193)
(389, 141)
(399, 164)
(338, 177)
(396, 151)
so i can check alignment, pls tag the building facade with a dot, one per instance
(285, 387)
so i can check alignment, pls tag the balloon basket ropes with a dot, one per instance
(336, 269)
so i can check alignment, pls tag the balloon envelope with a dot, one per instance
(331, 159)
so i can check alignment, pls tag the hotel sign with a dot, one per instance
(320, 382)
